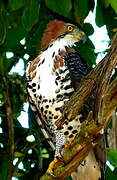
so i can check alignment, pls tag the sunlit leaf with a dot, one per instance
(112, 157)
(114, 4)
(18, 154)
(18, 175)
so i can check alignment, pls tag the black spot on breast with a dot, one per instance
(59, 96)
(51, 45)
(70, 128)
(74, 131)
(42, 61)
(68, 87)
(50, 117)
(56, 83)
(46, 48)
(47, 106)
(66, 133)
(66, 78)
(50, 112)
(50, 101)
(45, 100)
(42, 109)
(35, 95)
(55, 117)
(45, 111)
(71, 136)
(30, 87)
(58, 78)
(33, 84)
(53, 100)
(33, 90)
(57, 109)
(38, 86)
(40, 97)
(57, 74)
(66, 123)
(61, 71)
(59, 51)
(53, 54)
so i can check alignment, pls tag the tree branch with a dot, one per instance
(91, 131)
(9, 117)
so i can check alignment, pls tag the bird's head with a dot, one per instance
(57, 30)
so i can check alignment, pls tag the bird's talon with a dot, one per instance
(52, 166)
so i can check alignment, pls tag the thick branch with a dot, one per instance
(103, 80)
(87, 138)
(90, 132)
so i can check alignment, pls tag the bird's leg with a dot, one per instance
(60, 141)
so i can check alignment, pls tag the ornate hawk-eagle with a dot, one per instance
(51, 80)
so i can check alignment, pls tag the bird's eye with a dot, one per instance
(70, 28)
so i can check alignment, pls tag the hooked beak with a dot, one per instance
(80, 36)
(83, 37)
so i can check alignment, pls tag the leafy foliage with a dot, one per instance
(27, 19)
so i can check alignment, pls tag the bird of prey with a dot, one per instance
(52, 77)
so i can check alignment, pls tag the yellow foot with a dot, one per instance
(52, 166)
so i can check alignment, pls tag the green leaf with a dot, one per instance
(2, 28)
(99, 15)
(88, 28)
(16, 174)
(82, 8)
(15, 30)
(114, 4)
(87, 51)
(112, 157)
(110, 175)
(14, 35)
(106, 2)
(45, 153)
(62, 7)
(16, 4)
(31, 14)
(18, 154)
(3, 166)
